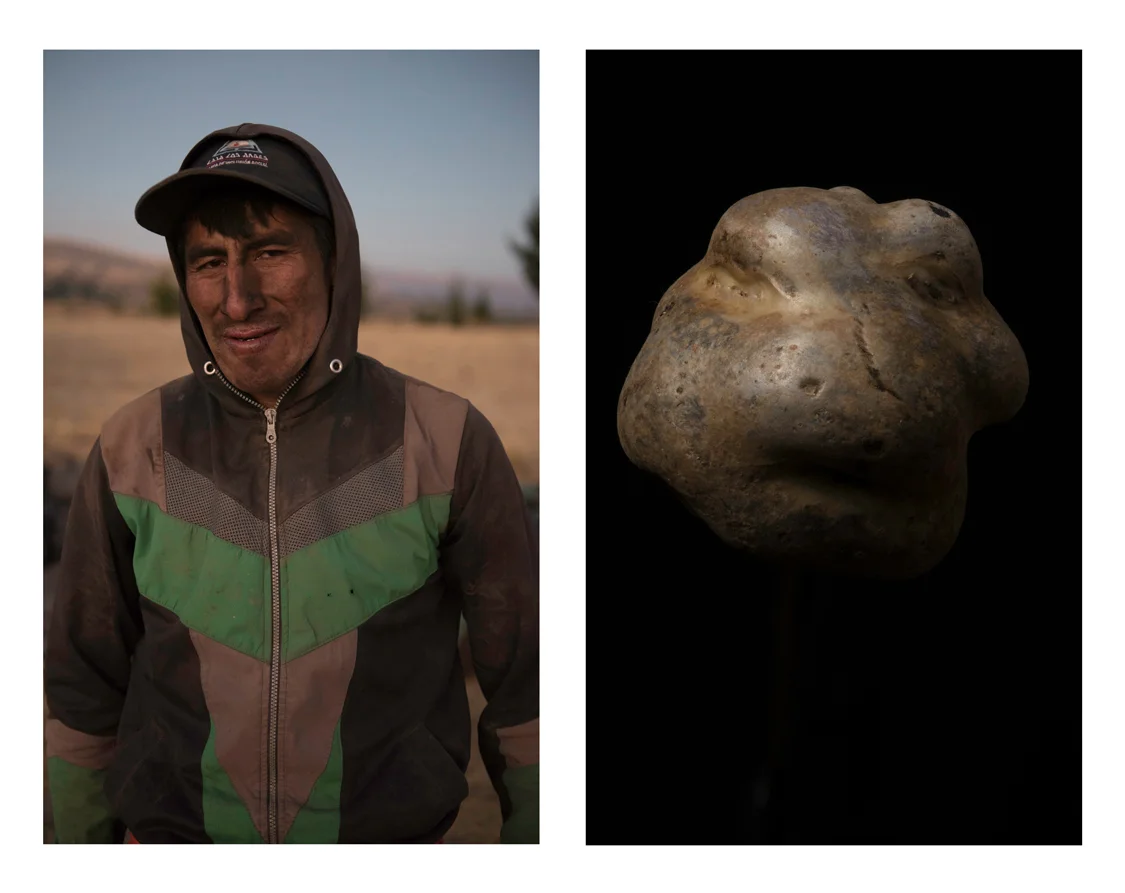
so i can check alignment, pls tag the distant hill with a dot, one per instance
(95, 273)
(400, 293)
(73, 270)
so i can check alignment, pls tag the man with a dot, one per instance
(266, 561)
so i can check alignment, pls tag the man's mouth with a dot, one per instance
(246, 340)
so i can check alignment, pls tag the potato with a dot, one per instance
(809, 387)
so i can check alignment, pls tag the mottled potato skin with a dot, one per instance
(809, 388)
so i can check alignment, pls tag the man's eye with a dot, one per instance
(271, 252)
(209, 264)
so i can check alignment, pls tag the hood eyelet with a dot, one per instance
(336, 366)
(208, 368)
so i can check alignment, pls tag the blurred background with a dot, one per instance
(438, 153)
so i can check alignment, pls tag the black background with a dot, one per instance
(944, 709)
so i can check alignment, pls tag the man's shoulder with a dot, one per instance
(418, 393)
(139, 420)
(132, 444)
(434, 423)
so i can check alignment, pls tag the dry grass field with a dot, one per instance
(96, 361)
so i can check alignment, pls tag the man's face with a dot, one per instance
(262, 301)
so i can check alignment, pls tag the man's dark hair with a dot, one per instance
(230, 213)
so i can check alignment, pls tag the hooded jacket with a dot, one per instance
(256, 641)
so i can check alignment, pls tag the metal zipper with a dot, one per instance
(275, 599)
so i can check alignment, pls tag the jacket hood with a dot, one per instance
(342, 330)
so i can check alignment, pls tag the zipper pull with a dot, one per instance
(271, 432)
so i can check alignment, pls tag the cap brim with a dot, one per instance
(162, 207)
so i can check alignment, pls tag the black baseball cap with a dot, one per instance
(264, 161)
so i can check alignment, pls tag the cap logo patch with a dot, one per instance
(238, 152)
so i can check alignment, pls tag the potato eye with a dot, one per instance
(933, 288)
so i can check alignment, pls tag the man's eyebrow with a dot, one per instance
(201, 251)
(272, 237)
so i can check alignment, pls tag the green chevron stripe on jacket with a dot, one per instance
(328, 588)
(336, 584)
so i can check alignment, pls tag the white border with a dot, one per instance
(562, 32)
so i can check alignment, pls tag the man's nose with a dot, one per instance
(242, 296)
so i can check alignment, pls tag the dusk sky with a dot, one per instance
(438, 152)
